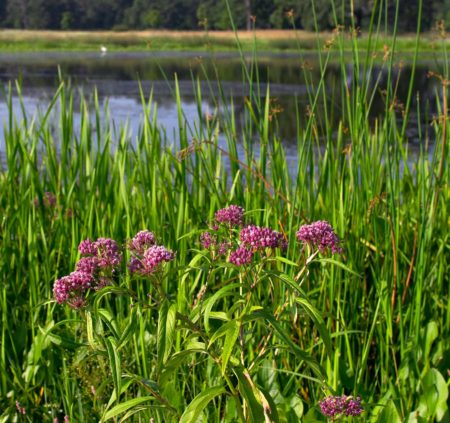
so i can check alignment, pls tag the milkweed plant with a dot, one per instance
(213, 318)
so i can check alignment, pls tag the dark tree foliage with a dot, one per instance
(214, 14)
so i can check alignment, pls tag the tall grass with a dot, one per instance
(385, 303)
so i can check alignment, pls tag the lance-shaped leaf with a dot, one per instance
(166, 331)
(199, 403)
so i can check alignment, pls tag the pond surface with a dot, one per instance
(115, 77)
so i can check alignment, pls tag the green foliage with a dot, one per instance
(210, 341)
(186, 14)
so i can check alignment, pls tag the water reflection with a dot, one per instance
(115, 76)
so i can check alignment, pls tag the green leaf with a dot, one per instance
(389, 414)
(90, 330)
(231, 336)
(270, 410)
(63, 341)
(199, 403)
(255, 408)
(286, 261)
(210, 302)
(310, 361)
(316, 317)
(219, 315)
(431, 334)
(433, 401)
(135, 410)
(126, 382)
(114, 362)
(166, 331)
(174, 362)
(338, 264)
(125, 406)
(296, 405)
(314, 416)
(222, 331)
(110, 321)
(128, 331)
(288, 281)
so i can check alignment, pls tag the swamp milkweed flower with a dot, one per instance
(258, 238)
(146, 256)
(320, 235)
(87, 265)
(154, 256)
(207, 240)
(105, 250)
(333, 406)
(241, 256)
(72, 288)
(142, 241)
(86, 247)
(231, 216)
(108, 252)
(94, 270)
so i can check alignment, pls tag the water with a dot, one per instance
(115, 77)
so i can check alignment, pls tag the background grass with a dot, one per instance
(163, 40)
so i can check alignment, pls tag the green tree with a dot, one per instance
(441, 12)
(218, 16)
(283, 12)
(2, 13)
(17, 13)
(186, 14)
(261, 10)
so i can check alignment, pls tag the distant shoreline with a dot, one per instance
(220, 41)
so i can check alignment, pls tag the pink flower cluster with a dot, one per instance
(231, 216)
(333, 406)
(241, 256)
(240, 247)
(207, 240)
(146, 256)
(105, 251)
(100, 261)
(141, 242)
(320, 235)
(72, 288)
(258, 238)
(94, 270)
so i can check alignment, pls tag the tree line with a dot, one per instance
(214, 14)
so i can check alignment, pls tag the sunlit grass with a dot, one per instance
(164, 40)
